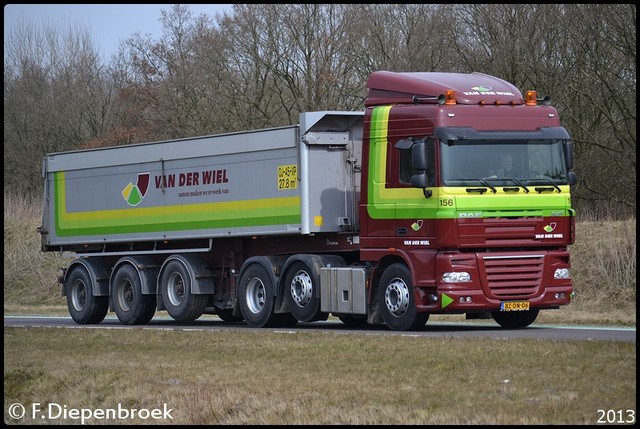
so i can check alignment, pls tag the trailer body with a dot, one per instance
(239, 184)
(382, 216)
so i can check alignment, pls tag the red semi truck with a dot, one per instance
(378, 217)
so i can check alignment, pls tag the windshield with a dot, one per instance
(471, 162)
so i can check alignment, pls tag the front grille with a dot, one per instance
(513, 277)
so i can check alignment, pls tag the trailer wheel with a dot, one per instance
(395, 297)
(300, 288)
(515, 319)
(84, 307)
(256, 296)
(131, 306)
(175, 288)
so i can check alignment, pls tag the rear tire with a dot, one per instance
(175, 289)
(131, 306)
(300, 287)
(256, 298)
(515, 319)
(84, 307)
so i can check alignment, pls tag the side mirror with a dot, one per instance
(419, 156)
(419, 180)
(419, 162)
(568, 154)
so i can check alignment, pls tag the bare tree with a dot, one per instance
(263, 64)
(163, 81)
(601, 88)
(585, 57)
(56, 98)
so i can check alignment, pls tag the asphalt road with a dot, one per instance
(431, 329)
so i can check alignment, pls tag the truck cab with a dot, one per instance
(475, 240)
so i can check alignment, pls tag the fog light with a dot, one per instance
(561, 273)
(560, 295)
(433, 297)
(465, 299)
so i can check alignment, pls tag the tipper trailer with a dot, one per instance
(378, 217)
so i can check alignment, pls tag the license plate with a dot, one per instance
(514, 306)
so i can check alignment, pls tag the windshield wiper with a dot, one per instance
(540, 190)
(519, 183)
(485, 183)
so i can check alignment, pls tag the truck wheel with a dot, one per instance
(175, 288)
(84, 307)
(395, 298)
(300, 289)
(131, 306)
(515, 319)
(256, 295)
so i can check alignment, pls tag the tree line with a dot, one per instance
(260, 65)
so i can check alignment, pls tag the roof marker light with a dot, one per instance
(450, 97)
(531, 98)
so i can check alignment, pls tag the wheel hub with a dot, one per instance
(396, 297)
(301, 288)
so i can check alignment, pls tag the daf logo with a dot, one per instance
(477, 214)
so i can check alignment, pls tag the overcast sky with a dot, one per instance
(107, 23)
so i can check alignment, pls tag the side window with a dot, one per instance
(406, 170)
(431, 159)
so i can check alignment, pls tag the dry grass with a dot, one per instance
(30, 276)
(318, 378)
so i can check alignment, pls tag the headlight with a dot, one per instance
(561, 273)
(456, 277)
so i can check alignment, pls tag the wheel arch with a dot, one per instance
(272, 265)
(382, 265)
(146, 268)
(201, 278)
(98, 273)
(314, 262)
(374, 317)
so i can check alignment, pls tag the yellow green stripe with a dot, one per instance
(445, 203)
(232, 214)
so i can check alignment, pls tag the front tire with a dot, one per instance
(515, 319)
(131, 306)
(396, 301)
(84, 307)
(175, 289)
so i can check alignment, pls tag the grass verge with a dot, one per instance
(314, 377)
